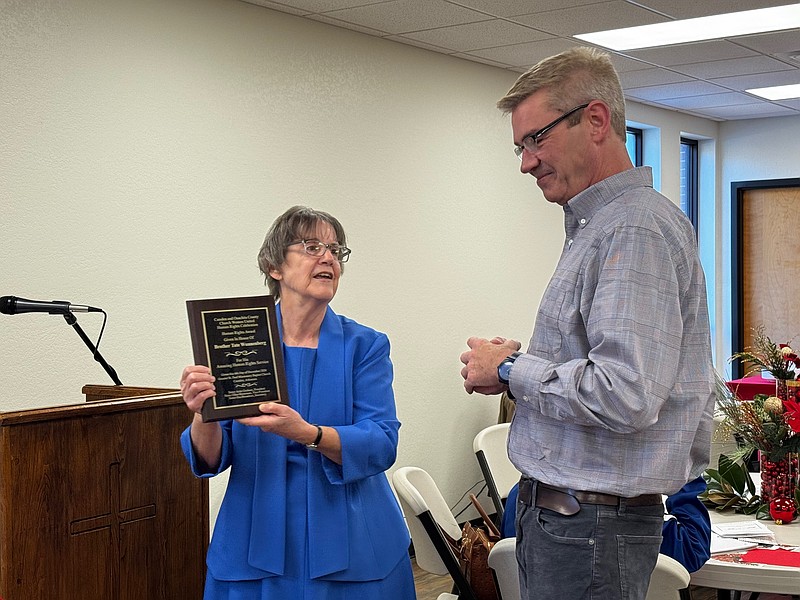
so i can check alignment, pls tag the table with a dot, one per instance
(751, 577)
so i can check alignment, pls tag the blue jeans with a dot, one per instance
(600, 553)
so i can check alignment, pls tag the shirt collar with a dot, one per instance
(584, 205)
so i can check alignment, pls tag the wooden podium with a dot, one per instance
(97, 501)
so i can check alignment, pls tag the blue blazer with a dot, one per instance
(355, 527)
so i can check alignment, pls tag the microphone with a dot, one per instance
(11, 305)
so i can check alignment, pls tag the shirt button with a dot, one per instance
(526, 398)
(569, 242)
(582, 221)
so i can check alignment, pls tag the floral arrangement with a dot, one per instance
(765, 355)
(767, 423)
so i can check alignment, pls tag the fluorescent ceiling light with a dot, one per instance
(745, 22)
(778, 92)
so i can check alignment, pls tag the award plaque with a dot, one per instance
(238, 339)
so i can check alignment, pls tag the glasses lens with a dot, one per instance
(528, 143)
(314, 247)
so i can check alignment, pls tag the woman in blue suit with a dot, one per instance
(308, 512)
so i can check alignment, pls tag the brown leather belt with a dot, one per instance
(568, 502)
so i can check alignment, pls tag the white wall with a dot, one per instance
(148, 145)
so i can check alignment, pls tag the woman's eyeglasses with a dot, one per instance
(317, 248)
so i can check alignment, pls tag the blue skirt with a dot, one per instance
(398, 585)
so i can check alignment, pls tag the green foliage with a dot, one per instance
(731, 486)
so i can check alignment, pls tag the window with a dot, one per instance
(689, 186)
(633, 141)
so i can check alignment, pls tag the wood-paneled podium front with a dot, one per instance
(98, 503)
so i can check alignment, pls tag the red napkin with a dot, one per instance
(777, 556)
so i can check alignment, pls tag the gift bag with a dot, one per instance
(472, 551)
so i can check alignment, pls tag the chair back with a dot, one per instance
(427, 515)
(491, 450)
(669, 581)
(503, 561)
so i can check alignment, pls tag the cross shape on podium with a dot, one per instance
(112, 520)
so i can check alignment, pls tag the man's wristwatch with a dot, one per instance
(504, 368)
(315, 444)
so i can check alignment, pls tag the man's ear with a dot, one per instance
(599, 116)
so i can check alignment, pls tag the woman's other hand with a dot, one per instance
(197, 386)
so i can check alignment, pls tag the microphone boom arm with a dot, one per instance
(70, 319)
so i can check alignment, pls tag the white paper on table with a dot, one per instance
(741, 528)
(721, 544)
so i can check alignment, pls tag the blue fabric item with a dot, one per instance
(290, 514)
(686, 534)
(687, 537)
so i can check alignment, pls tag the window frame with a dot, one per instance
(690, 189)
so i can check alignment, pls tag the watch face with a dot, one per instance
(504, 370)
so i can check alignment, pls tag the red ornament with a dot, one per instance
(782, 510)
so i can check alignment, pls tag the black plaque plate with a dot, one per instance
(238, 339)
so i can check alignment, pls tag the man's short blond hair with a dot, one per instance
(570, 79)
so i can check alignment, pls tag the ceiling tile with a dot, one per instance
(320, 6)
(689, 9)
(292, 10)
(685, 54)
(402, 40)
(484, 61)
(739, 66)
(745, 82)
(772, 43)
(710, 100)
(646, 77)
(675, 90)
(337, 23)
(623, 63)
(591, 18)
(753, 111)
(793, 103)
(512, 8)
(525, 55)
(476, 36)
(403, 16)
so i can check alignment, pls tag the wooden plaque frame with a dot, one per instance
(239, 340)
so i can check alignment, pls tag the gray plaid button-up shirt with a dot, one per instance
(616, 391)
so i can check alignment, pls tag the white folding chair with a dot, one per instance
(669, 581)
(503, 561)
(427, 515)
(490, 447)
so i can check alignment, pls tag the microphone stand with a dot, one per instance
(70, 318)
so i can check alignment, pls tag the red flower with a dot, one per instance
(789, 355)
(791, 414)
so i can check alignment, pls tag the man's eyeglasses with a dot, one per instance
(531, 141)
(317, 248)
